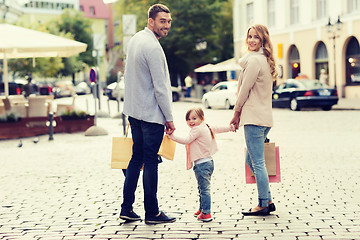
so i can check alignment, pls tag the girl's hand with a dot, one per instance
(232, 128)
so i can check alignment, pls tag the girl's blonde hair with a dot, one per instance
(264, 35)
(200, 113)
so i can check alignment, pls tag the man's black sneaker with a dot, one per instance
(129, 215)
(160, 218)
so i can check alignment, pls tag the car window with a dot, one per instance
(290, 85)
(280, 87)
(313, 84)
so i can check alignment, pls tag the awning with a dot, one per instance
(228, 65)
(19, 42)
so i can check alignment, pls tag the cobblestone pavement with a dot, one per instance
(65, 188)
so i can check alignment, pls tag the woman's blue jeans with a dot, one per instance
(255, 159)
(147, 138)
(203, 172)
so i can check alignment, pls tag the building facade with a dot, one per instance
(10, 10)
(308, 36)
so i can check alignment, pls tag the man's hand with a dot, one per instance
(236, 120)
(169, 127)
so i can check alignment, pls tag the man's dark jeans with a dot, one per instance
(147, 138)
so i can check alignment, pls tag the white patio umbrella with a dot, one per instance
(19, 42)
(228, 65)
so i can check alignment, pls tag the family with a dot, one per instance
(147, 104)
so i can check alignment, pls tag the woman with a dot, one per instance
(253, 109)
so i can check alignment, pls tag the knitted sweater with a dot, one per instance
(254, 100)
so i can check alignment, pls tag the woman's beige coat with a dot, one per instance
(254, 100)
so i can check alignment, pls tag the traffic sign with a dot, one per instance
(93, 75)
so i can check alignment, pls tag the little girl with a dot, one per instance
(200, 146)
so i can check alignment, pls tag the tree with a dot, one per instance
(72, 24)
(197, 21)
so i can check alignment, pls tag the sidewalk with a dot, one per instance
(347, 104)
(343, 104)
(65, 188)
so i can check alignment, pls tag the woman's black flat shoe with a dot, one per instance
(272, 207)
(262, 212)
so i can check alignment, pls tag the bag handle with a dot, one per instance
(127, 130)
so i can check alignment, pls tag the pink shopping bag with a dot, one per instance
(249, 176)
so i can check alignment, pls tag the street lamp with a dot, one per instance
(333, 29)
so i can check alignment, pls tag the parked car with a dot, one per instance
(45, 88)
(108, 90)
(15, 88)
(222, 95)
(176, 93)
(63, 89)
(82, 88)
(117, 89)
(300, 93)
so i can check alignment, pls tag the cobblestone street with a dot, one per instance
(65, 188)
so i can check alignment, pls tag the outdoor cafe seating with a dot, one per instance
(33, 106)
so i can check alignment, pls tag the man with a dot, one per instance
(147, 103)
(188, 84)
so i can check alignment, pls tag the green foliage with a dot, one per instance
(9, 118)
(73, 22)
(22, 66)
(193, 21)
(71, 113)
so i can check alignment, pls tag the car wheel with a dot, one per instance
(175, 97)
(206, 103)
(327, 108)
(227, 104)
(294, 106)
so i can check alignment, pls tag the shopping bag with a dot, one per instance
(272, 162)
(167, 148)
(122, 150)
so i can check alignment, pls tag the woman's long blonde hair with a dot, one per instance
(263, 33)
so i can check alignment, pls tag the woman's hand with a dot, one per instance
(235, 120)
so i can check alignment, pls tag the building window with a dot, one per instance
(92, 11)
(294, 62)
(250, 13)
(321, 9)
(81, 8)
(353, 62)
(294, 12)
(321, 60)
(353, 5)
(271, 13)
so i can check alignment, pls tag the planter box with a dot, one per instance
(35, 126)
(73, 125)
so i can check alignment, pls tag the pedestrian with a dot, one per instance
(188, 84)
(253, 109)
(147, 104)
(29, 87)
(200, 146)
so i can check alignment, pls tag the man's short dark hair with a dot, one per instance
(155, 9)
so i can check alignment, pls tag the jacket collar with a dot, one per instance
(147, 30)
(244, 60)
